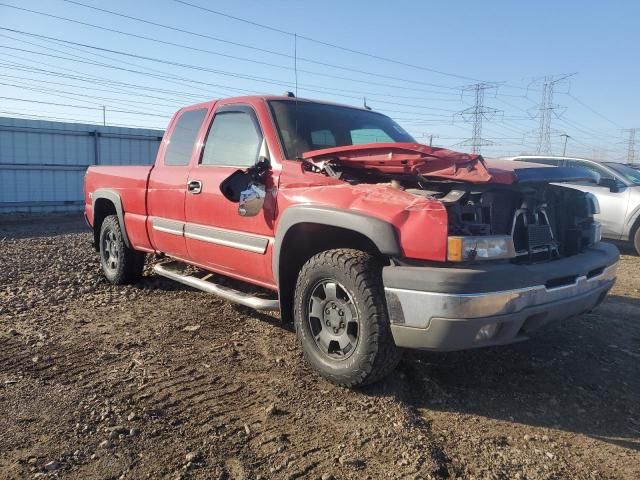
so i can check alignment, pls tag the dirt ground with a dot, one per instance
(160, 381)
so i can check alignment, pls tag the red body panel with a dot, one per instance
(421, 223)
(411, 158)
(130, 183)
(160, 193)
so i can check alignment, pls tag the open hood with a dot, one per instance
(411, 158)
(417, 159)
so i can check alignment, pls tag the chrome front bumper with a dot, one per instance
(454, 321)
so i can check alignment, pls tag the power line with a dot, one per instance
(73, 95)
(158, 74)
(99, 80)
(192, 97)
(265, 80)
(332, 45)
(237, 44)
(54, 116)
(15, 99)
(291, 34)
(122, 92)
(137, 87)
(204, 69)
(235, 57)
(594, 111)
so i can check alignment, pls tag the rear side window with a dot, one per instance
(183, 137)
(233, 140)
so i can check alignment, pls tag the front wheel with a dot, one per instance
(341, 320)
(120, 264)
(636, 240)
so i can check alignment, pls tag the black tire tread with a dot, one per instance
(382, 354)
(132, 261)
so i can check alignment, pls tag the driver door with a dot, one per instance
(217, 237)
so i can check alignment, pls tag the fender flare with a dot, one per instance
(381, 233)
(113, 197)
(633, 220)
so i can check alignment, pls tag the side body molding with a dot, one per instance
(381, 233)
(113, 197)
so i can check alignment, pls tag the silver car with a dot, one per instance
(618, 193)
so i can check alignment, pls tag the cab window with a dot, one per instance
(183, 137)
(233, 140)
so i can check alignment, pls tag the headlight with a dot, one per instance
(592, 203)
(491, 247)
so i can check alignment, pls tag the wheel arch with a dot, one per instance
(304, 231)
(633, 224)
(107, 202)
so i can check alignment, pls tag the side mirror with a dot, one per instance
(610, 183)
(252, 200)
(246, 188)
(232, 186)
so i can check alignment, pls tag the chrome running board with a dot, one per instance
(174, 271)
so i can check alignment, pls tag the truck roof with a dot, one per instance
(266, 98)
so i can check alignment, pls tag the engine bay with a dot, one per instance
(545, 221)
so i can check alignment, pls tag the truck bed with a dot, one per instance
(129, 182)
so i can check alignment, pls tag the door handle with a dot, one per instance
(194, 187)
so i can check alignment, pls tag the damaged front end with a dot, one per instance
(511, 211)
(529, 222)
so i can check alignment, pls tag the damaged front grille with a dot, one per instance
(532, 234)
(544, 221)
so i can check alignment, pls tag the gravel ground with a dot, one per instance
(160, 381)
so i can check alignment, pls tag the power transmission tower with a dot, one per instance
(546, 110)
(631, 145)
(476, 114)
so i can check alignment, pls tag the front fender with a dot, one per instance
(382, 234)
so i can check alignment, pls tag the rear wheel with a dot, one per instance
(341, 319)
(636, 240)
(120, 264)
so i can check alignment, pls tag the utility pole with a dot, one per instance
(564, 149)
(476, 114)
(631, 145)
(104, 115)
(431, 137)
(546, 110)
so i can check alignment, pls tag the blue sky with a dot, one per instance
(512, 43)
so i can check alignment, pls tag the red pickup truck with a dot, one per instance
(366, 240)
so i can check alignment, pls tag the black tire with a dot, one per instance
(120, 264)
(358, 290)
(636, 240)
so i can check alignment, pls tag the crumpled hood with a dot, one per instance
(412, 158)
